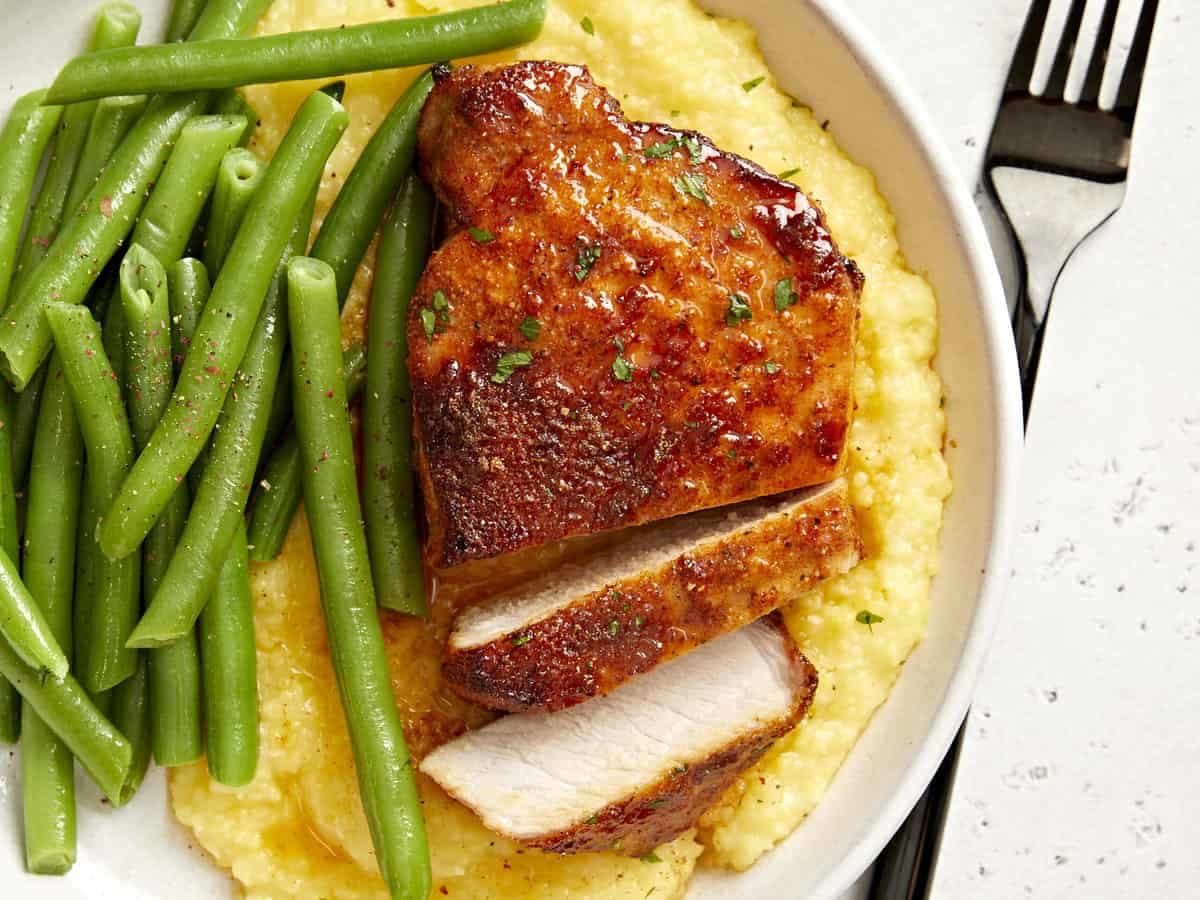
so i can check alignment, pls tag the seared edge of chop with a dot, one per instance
(634, 769)
(628, 323)
(583, 630)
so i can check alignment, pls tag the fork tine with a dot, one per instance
(1090, 93)
(1025, 56)
(1061, 67)
(1135, 64)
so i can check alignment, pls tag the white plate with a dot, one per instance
(819, 52)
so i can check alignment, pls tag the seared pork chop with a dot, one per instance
(628, 323)
(583, 630)
(637, 767)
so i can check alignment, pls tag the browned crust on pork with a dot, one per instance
(634, 624)
(663, 811)
(540, 157)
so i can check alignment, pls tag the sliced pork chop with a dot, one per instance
(628, 323)
(634, 769)
(583, 630)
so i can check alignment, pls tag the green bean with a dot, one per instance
(68, 711)
(234, 103)
(277, 495)
(184, 15)
(230, 682)
(239, 177)
(388, 490)
(89, 238)
(116, 25)
(189, 289)
(112, 121)
(355, 215)
(300, 54)
(221, 492)
(131, 715)
(226, 327)
(385, 776)
(112, 334)
(47, 768)
(174, 671)
(22, 142)
(106, 436)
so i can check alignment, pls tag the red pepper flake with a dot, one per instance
(41, 241)
(443, 887)
(106, 206)
(89, 352)
(211, 370)
(329, 394)
(324, 455)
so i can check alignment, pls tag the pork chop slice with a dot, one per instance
(636, 768)
(627, 324)
(582, 630)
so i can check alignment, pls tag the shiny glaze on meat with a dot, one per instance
(542, 173)
(632, 624)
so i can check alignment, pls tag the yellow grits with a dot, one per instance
(298, 830)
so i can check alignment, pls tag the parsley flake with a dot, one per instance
(739, 310)
(522, 639)
(736, 233)
(868, 618)
(692, 185)
(622, 368)
(587, 257)
(770, 367)
(662, 150)
(655, 804)
(586, 24)
(428, 323)
(591, 820)
(750, 85)
(481, 235)
(784, 295)
(530, 328)
(613, 627)
(680, 769)
(788, 174)
(650, 858)
(509, 362)
(441, 306)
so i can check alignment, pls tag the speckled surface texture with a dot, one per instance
(1079, 776)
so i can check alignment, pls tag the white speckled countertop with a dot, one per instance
(1079, 777)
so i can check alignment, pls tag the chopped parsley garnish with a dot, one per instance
(614, 627)
(587, 257)
(736, 233)
(650, 858)
(622, 368)
(695, 151)
(481, 236)
(592, 820)
(522, 639)
(868, 618)
(662, 150)
(750, 85)
(655, 374)
(530, 328)
(739, 310)
(586, 24)
(441, 306)
(655, 804)
(509, 362)
(680, 769)
(770, 367)
(428, 323)
(784, 295)
(789, 173)
(692, 185)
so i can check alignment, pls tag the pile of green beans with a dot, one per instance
(385, 776)
(200, 65)
(128, 634)
(225, 327)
